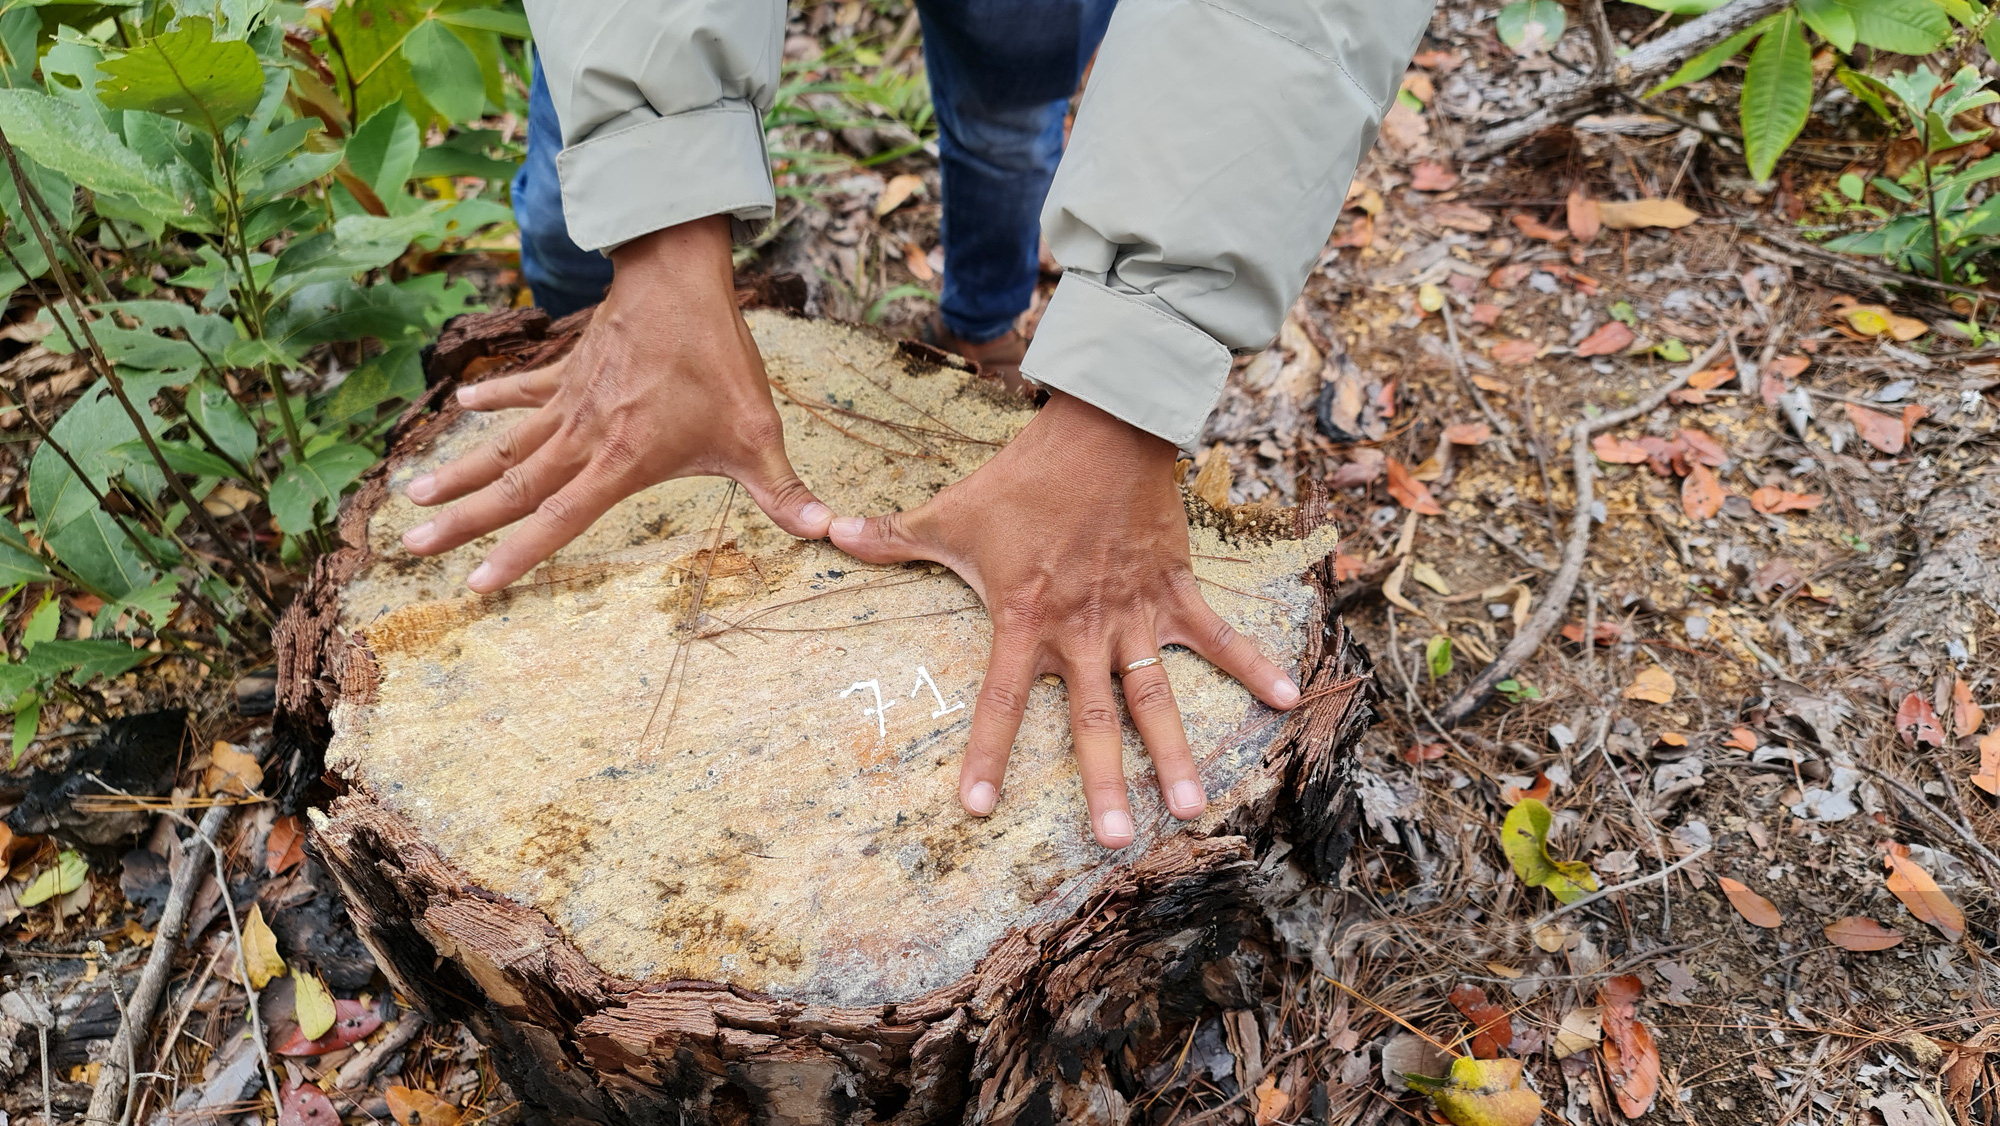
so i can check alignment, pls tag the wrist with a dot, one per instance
(697, 251)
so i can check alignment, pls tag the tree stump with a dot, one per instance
(673, 823)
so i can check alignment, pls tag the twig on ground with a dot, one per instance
(1501, 427)
(1628, 885)
(1987, 860)
(362, 1068)
(236, 931)
(1248, 1088)
(1555, 602)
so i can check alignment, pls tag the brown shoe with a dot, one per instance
(998, 358)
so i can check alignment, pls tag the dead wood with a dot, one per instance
(624, 821)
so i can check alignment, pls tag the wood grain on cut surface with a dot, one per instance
(761, 790)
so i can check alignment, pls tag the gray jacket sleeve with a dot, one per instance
(1207, 166)
(662, 107)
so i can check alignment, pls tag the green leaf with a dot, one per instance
(512, 24)
(43, 623)
(1777, 94)
(27, 723)
(84, 661)
(1531, 25)
(298, 491)
(1437, 656)
(1834, 23)
(395, 374)
(1680, 7)
(1672, 350)
(183, 457)
(88, 430)
(98, 551)
(1991, 37)
(18, 563)
(74, 142)
(1906, 27)
(1524, 837)
(384, 149)
(20, 26)
(1711, 60)
(224, 420)
(188, 75)
(64, 876)
(446, 71)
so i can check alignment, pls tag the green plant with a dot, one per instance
(215, 211)
(1517, 691)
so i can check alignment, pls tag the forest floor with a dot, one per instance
(1739, 718)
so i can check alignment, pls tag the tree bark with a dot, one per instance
(624, 821)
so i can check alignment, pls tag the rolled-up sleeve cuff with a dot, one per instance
(1128, 358)
(664, 172)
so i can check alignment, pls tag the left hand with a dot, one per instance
(1075, 539)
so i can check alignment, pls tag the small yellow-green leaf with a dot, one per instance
(313, 1004)
(1481, 1093)
(1524, 837)
(260, 950)
(1437, 654)
(64, 876)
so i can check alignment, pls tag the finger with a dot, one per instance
(996, 720)
(785, 499)
(1149, 696)
(525, 389)
(486, 464)
(1202, 630)
(1100, 757)
(555, 521)
(882, 539)
(518, 492)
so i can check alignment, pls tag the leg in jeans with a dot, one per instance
(563, 276)
(1001, 74)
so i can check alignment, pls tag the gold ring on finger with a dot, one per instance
(1135, 666)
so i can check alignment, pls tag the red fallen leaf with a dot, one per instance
(1608, 633)
(1877, 429)
(1741, 738)
(1631, 1059)
(1540, 790)
(353, 1022)
(1510, 275)
(1860, 933)
(1430, 176)
(1917, 723)
(1770, 500)
(1911, 413)
(1710, 378)
(1347, 566)
(1582, 215)
(1515, 351)
(1701, 493)
(1702, 448)
(1385, 399)
(1423, 752)
(1610, 338)
(1584, 283)
(1667, 458)
(1791, 367)
(1770, 388)
(306, 1105)
(1966, 716)
(84, 603)
(1988, 776)
(1618, 451)
(285, 847)
(1779, 573)
(1755, 909)
(1687, 397)
(1359, 233)
(1410, 492)
(1492, 1030)
(1535, 228)
(1485, 313)
(1354, 475)
(1921, 894)
(1468, 433)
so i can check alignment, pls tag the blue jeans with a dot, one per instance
(1001, 75)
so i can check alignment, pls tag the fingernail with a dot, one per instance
(420, 489)
(480, 576)
(1187, 796)
(981, 797)
(1115, 825)
(419, 537)
(1285, 692)
(849, 526)
(814, 513)
(465, 396)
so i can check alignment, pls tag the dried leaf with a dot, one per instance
(1212, 483)
(1410, 492)
(412, 1107)
(1701, 493)
(1760, 912)
(1988, 776)
(918, 261)
(1966, 715)
(1510, 275)
(1581, 1028)
(1271, 1102)
(1631, 215)
(1430, 176)
(1631, 1060)
(1770, 500)
(1535, 228)
(1608, 633)
(260, 950)
(1741, 738)
(1418, 753)
(1702, 448)
(1792, 366)
(285, 848)
(1524, 837)
(1540, 791)
(1610, 338)
(1916, 723)
(1583, 216)
(1481, 1093)
(1708, 379)
(1877, 429)
(1428, 575)
(1514, 352)
(1491, 1028)
(1468, 434)
(353, 1022)
(1877, 320)
(306, 1105)
(1921, 894)
(897, 190)
(1491, 385)
(1911, 413)
(1617, 451)
(1857, 932)
(1486, 313)
(1460, 217)
(314, 1006)
(231, 771)
(1653, 684)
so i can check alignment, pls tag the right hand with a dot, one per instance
(665, 383)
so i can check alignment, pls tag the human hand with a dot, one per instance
(1075, 539)
(665, 383)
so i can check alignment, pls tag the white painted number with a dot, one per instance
(875, 686)
(881, 726)
(923, 678)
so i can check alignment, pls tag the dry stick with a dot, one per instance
(1499, 424)
(1556, 602)
(114, 1074)
(1628, 885)
(235, 930)
(244, 567)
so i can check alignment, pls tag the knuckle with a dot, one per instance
(1003, 698)
(1221, 635)
(506, 449)
(1094, 716)
(559, 509)
(512, 487)
(1151, 694)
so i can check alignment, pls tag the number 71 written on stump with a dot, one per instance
(881, 706)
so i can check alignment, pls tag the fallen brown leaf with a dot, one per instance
(1792, 366)
(1510, 275)
(1757, 910)
(285, 847)
(1653, 684)
(1630, 215)
(1535, 228)
(1860, 933)
(1709, 378)
(1540, 790)
(1921, 894)
(1430, 176)
(1460, 217)
(1770, 500)
(1701, 447)
(1582, 215)
(1631, 1059)
(1468, 433)
(1271, 1102)
(1491, 1028)
(1741, 738)
(412, 1107)
(1358, 233)
(1966, 715)
(1988, 776)
(918, 261)
(1618, 451)
(896, 191)
(1917, 722)
(231, 771)
(1608, 633)
(1410, 492)
(1491, 385)
(1515, 352)
(1701, 493)
(1212, 483)
(1485, 313)
(1611, 338)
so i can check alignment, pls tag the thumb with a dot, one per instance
(786, 500)
(881, 539)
